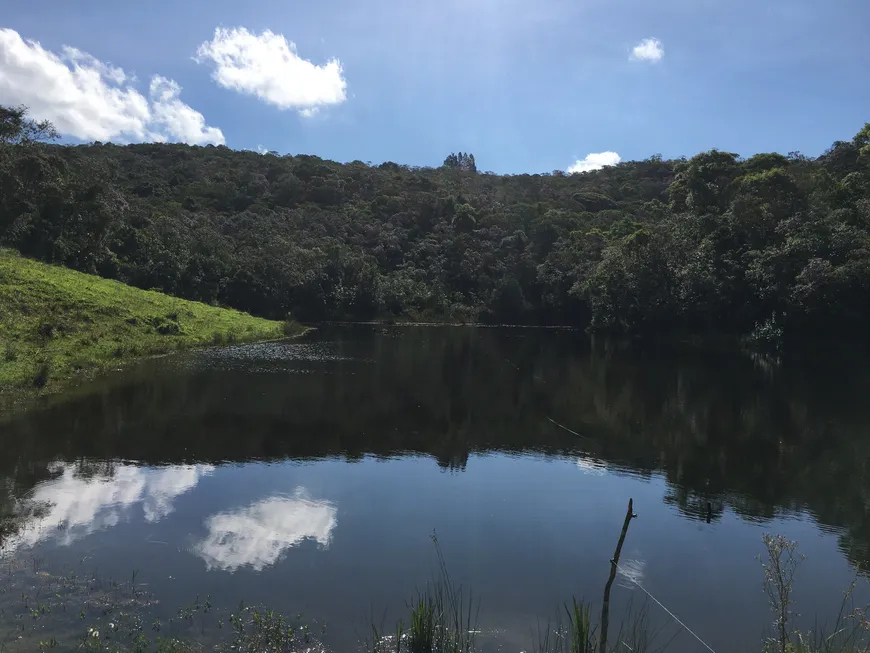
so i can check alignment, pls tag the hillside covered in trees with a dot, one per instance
(764, 246)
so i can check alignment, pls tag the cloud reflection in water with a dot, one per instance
(77, 503)
(591, 466)
(258, 535)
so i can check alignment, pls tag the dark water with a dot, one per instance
(311, 475)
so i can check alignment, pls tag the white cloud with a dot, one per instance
(259, 534)
(177, 119)
(594, 161)
(648, 50)
(72, 506)
(91, 100)
(268, 67)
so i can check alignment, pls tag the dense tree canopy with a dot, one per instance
(768, 245)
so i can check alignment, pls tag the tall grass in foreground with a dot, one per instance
(576, 635)
(439, 620)
(574, 631)
(851, 630)
(442, 618)
(84, 612)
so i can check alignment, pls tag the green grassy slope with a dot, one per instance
(57, 325)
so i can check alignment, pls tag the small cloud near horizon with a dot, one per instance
(650, 50)
(594, 161)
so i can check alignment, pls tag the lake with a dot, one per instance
(311, 475)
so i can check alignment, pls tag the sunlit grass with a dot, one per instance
(57, 324)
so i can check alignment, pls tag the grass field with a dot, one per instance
(58, 325)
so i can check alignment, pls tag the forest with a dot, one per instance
(767, 247)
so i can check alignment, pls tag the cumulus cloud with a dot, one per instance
(648, 50)
(177, 119)
(594, 161)
(92, 100)
(72, 506)
(268, 67)
(258, 535)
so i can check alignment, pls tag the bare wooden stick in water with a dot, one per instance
(605, 607)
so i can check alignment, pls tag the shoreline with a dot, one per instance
(18, 400)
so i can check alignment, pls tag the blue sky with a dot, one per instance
(527, 86)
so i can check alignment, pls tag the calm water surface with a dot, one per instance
(311, 475)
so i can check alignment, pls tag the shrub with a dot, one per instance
(43, 371)
(10, 352)
(290, 327)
